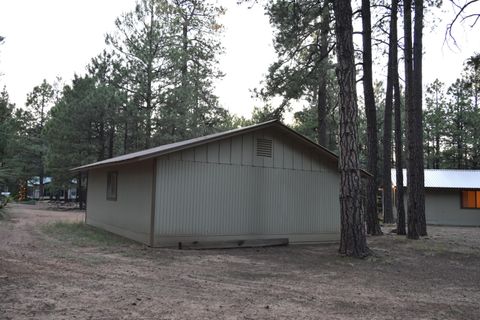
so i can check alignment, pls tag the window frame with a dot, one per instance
(477, 194)
(112, 197)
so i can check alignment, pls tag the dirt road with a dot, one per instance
(42, 277)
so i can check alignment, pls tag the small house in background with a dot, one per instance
(260, 182)
(452, 197)
(34, 190)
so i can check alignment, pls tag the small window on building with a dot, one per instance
(471, 199)
(264, 147)
(112, 178)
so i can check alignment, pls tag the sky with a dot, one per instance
(57, 38)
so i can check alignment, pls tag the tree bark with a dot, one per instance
(373, 226)
(353, 238)
(41, 184)
(398, 126)
(80, 191)
(387, 130)
(418, 121)
(322, 81)
(65, 195)
(412, 218)
(398, 159)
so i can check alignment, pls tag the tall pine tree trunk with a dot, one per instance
(398, 126)
(322, 81)
(373, 226)
(42, 184)
(399, 160)
(353, 238)
(392, 74)
(412, 217)
(80, 191)
(417, 140)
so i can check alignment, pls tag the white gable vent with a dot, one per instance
(264, 147)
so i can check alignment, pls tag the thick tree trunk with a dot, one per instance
(412, 218)
(400, 204)
(322, 81)
(41, 184)
(418, 165)
(398, 160)
(65, 195)
(373, 226)
(387, 151)
(353, 238)
(80, 191)
(387, 130)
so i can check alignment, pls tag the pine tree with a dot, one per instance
(140, 42)
(191, 107)
(373, 226)
(303, 71)
(353, 239)
(39, 101)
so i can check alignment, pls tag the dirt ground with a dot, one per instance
(42, 277)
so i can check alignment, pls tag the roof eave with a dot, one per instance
(180, 148)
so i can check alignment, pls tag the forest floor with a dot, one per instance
(60, 271)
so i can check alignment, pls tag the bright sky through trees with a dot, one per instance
(50, 38)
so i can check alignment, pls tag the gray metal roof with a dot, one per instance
(181, 145)
(446, 178)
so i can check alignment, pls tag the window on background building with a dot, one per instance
(471, 199)
(112, 178)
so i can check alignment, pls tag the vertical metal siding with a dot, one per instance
(287, 156)
(130, 214)
(247, 149)
(225, 151)
(228, 190)
(212, 152)
(442, 206)
(196, 198)
(236, 148)
(201, 154)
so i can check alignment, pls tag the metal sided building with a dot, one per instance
(264, 181)
(452, 197)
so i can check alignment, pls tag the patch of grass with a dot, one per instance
(29, 201)
(82, 235)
